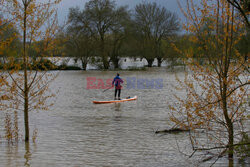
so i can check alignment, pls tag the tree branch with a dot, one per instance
(237, 6)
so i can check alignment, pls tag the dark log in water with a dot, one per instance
(173, 130)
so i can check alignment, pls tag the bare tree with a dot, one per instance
(80, 41)
(104, 24)
(118, 36)
(154, 23)
(100, 14)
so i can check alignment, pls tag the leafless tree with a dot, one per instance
(153, 24)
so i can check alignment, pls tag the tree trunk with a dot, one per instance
(150, 62)
(231, 148)
(230, 137)
(229, 122)
(159, 61)
(26, 91)
(84, 66)
(27, 154)
(105, 63)
(104, 57)
(84, 63)
(116, 63)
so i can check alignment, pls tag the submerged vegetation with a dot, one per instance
(24, 87)
(216, 90)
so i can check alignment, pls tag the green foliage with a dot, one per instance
(44, 64)
(243, 45)
(39, 65)
(13, 49)
(243, 149)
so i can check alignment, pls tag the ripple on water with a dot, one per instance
(76, 132)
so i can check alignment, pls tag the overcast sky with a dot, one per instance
(63, 8)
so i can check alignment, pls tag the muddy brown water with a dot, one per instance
(75, 132)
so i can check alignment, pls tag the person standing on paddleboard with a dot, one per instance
(117, 83)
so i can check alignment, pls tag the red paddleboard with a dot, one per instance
(115, 101)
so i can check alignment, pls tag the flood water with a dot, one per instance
(75, 132)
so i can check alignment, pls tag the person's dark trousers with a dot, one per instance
(119, 92)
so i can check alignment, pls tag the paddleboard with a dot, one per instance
(115, 101)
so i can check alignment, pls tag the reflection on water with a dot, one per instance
(117, 106)
(118, 112)
(17, 154)
(27, 155)
(10, 151)
(75, 132)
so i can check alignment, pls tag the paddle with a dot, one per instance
(107, 89)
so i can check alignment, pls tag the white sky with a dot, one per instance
(64, 6)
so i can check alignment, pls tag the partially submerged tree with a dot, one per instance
(102, 16)
(118, 36)
(26, 86)
(153, 24)
(172, 57)
(101, 21)
(80, 41)
(216, 91)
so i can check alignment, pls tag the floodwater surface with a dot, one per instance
(75, 132)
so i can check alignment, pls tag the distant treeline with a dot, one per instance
(102, 33)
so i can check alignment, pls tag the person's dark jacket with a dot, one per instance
(117, 82)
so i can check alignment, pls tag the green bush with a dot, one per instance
(44, 64)
(243, 149)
